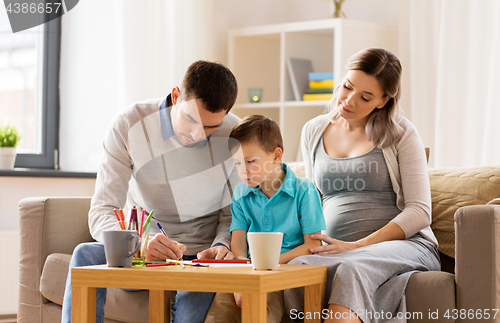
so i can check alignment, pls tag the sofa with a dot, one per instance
(466, 221)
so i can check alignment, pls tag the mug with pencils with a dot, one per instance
(142, 227)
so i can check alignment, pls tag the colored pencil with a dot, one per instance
(120, 223)
(142, 222)
(161, 229)
(149, 218)
(123, 218)
(131, 218)
(214, 261)
(136, 219)
(185, 263)
(160, 264)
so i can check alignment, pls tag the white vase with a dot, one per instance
(7, 157)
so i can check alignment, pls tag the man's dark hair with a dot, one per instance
(259, 129)
(211, 82)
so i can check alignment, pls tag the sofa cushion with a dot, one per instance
(121, 305)
(452, 188)
(494, 202)
(430, 292)
(53, 280)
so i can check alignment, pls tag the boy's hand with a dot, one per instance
(241, 258)
(161, 248)
(238, 298)
(217, 253)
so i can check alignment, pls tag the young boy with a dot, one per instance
(270, 199)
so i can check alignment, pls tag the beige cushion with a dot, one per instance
(494, 202)
(121, 305)
(428, 292)
(53, 280)
(452, 188)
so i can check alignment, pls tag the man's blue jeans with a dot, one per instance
(190, 307)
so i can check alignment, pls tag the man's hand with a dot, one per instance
(161, 248)
(217, 252)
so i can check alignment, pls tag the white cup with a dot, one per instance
(265, 249)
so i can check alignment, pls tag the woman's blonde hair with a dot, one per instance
(382, 126)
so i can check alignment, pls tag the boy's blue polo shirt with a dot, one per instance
(295, 209)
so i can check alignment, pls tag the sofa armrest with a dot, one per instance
(477, 256)
(46, 226)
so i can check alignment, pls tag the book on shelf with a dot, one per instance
(298, 71)
(320, 76)
(321, 84)
(319, 96)
(319, 91)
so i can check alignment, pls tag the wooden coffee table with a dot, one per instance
(254, 284)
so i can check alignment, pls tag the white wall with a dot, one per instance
(13, 189)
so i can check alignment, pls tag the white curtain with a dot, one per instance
(454, 78)
(115, 53)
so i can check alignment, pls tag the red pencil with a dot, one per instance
(214, 261)
(120, 223)
(122, 217)
(161, 264)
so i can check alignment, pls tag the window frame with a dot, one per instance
(48, 158)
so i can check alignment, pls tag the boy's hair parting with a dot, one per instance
(260, 129)
(211, 82)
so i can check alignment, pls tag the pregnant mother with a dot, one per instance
(370, 166)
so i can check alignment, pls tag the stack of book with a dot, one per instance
(320, 86)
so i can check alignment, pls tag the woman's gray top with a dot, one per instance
(358, 198)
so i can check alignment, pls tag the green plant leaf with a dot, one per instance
(9, 135)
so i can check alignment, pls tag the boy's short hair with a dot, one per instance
(260, 129)
(211, 82)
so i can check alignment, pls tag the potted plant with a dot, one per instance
(9, 137)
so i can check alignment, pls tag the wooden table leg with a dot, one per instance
(83, 304)
(314, 297)
(254, 308)
(159, 306)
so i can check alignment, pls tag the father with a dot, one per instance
(169, 155)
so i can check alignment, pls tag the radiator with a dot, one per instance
(9, 273)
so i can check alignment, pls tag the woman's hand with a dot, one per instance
(333, 246)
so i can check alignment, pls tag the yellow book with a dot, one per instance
(321, 96)
(321, 84)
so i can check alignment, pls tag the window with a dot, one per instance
(29, 96)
